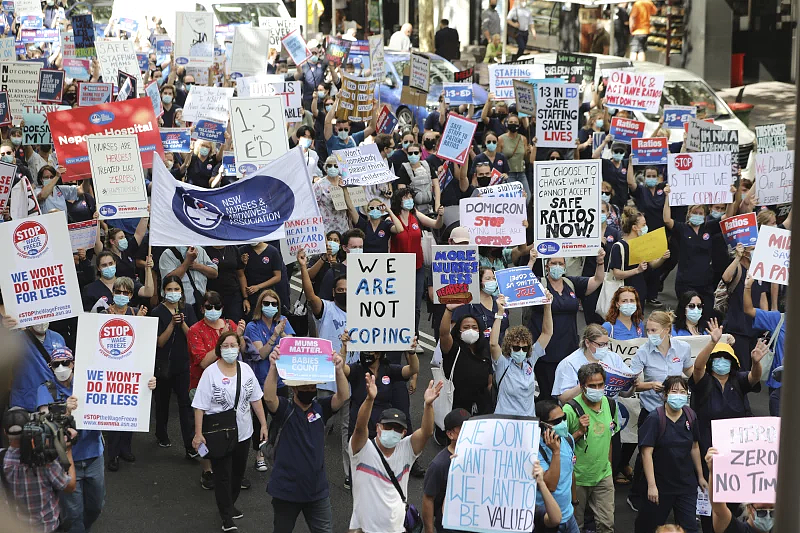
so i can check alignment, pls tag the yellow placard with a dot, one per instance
(648, 247)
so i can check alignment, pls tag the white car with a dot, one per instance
(681, 87)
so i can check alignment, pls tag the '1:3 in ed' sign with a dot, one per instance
(258, 125)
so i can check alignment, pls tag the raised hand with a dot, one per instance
(432, 392)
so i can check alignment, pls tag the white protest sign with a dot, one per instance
(23, 200)
(693, 135)
(525, 95)
(700, 178)
(490, 484)
(380, 302)
(771, 138)
(494, 221)
(8, 50)
(82, 235)
(419, 77)
(21, 81)
(194, 38)
(455, 274)
(37, 275)
(774, 177)
(296, 47)
(28, 8)
(363, 165)
(117, 176)
(566, 216)
(634, 91)
(115, 56)
(207, 102)
(250, 50)
(305, 234)
(278, 28)
(512, 189)
(7, 174)
(113, 364)
(557, 114)
(376, 56)
(501, 77)
(258, 128)
(770, 260)
(289, 91)
(456, 139)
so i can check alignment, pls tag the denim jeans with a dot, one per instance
(774, 402)
(318, 515)
(82, 507)
(570, 526)
(522, 178)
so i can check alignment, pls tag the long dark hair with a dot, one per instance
(396, 202)
(174, 279)
(482, 346)
(680, 312)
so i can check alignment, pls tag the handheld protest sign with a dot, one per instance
(512, 189)
(35, 129)
(502, 76)
(693, 129)
(740, 229)
(745, 469)
(363, 165)
(455, 272)
(649, 247)
(258, 128)
(525, 96)
(82, 235)
(8, 172)
(305, 361)
(771, 138)
(719, 141)
(117, 176)
(115, 56)
(494, 221)
(305, 234)
(177, 140)
(296, 47)
(557, 114)
(634, 91)
(356, 99)
(456, 140)
(94, 93)
(699, 178)
(521, 287)
(194, 38)
(652, 151)
(210, 102)
(419, 75)
(51, 86)
(278, 27)
(336, 51)
(250, 50)
(775, 177)
(675, 116)
(625, 130)
(154, 95)
(21, 83)
(376, 56)
(770, 259)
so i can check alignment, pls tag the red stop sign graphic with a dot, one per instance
(683, 162)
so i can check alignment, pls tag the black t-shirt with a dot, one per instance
(176, 349)
(452, 194)
(387, 374)
(499, 164)
(326, 285)
(694, 261)
(711, 402)
(637, 281)
(740, 527)
(97, 290)
(228, 261)
(470, 375)
(435, 486)
(261, 267)
(565, 318)
(673, 473)
(169, 116)
(126, 263)
(736, 321)
(610, 237)
(651, 205)
(618, 178)
(200, 172)
(81, 209)
(375, 241)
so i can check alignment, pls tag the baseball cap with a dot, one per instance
(62, 354)
(393, 416)
(455, 418)
(616, 145)
(460, 235)
(15, 419)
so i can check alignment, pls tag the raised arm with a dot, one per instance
(715, 330)
(308, 288)
(445, 339)
(361, 431)
(420, 437)
(342, 387)
(756, 370)
(412, 368)
(494, 338)
(547, 324)
(749, 309)
(599, 273)
(632, 185)
(667, 212)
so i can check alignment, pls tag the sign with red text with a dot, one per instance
(634, 91)
(113, 363)
(740, 229)
(94, 93)
(118, 177)
(456, 139)
(494, 221)
(20, 79)
(305, 234)
(624, 130)
(702, 178)
(557, 114)
(131, 117)
(305, 361)
(37, 276)
(455, 274)
(774, 177)
(651, 151)
(7, 174)
(746, 465)
(770, 261)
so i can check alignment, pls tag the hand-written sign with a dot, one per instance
(693, 129)
(289, 91)
(258, 129)
(305, 360)
(649, 247)
(194, 38)
(82, 235)
(278, 27)
(377, 60)
(770, 260)
(774, 177)
(501, 78)
(650, 151)
(363, 165)
(456, 139)
(305, 234)
(296, 47)
(771, 138)
(525, 96)
(420, 73)
(675, 116)
(21, 81)
(357, 196)
(115, 56)
(521, 287)
(380, 302)
(719, 141)
(567, 208)
(35, 129)
(557, 114)
(740, 229)
(356, 99)
(490, 484)
(209, 102)
(746, 467)
(700, 178)
(455, 274)
(634, 91)
(511, 189)
(118, 176)
(494, 221)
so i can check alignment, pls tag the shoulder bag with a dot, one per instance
(413, 521)
(220, 429)
(610, 286)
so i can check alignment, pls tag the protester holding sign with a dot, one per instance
(379, 224)
(486, 309)
(51, 195)
(649, 199)
(497, 160)
(760, 516)
(98, 294)
(203, 166)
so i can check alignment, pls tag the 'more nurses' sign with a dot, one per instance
(130, 117)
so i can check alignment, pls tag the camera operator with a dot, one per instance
(33, 489)
(81, 508)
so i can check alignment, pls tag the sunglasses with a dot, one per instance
(344, 129)
(331, 165)
(556, 421)
(413, 153)
(394, 427)
(518, 348)
(209, 307)
(617, 152)
(763, 513)
(122, 292)
(694, 306)
(270, 304)
(56, 364)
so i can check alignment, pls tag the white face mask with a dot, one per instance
(229, 355)
(62, 373)
(41, 329)
(470, 336)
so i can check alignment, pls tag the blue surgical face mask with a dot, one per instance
(618, 157)
(677, 401)
(491, 146)
(172, 297)
(721, 366)
(408, 204)
(627, 309)
(229, 355)
(650, 182)
(598, 124)
(166, 98)
(655, 339)
(109, 272)
(406, 145)
(305, 142)
(204, 151)
(696, 220)
(375, 214)
(8, 159)
(269, 311)
(321, 94)
(693, 315)
(601, 353)
(355, 251)
(328, 107)
(561, 429)
(334, 247)
(594, 395)
(413, 159)
(121, 300)
(213, 315)
(603, 218)
(313, 59)
(556, 271)
(332, 171)
(343, 134)
(763, 523)
(389, 438)
(490, 287)
(716, 214)
(16, 141)
(643, 231)
(519, 356)
(122, 244)
(605, 197)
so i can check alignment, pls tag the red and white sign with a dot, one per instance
(624, 130)
(456, 139)
(770, 260)
(116, 338)
(7, 173)
(700, 178)
(634, 91)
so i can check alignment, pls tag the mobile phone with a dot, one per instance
(202, 449)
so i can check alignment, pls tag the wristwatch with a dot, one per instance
(498, 315)
(575, 502)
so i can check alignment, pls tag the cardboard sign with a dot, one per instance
(356, 99)
(194, 38)
(771, 138)
(740, 229)
(557, 114)
(386, 121)
(521, 287)
(525, 97)
(296, 47)
(208, 102)
(651, 151)
(258, 129)
(363, 165)
(566, 203)
(115, 56)
(456, 139)
(82, 235)
(455, 274)
(250, 50)
(419, 77)
(208, 130)
(649, 247)
(113, 364)
(177, 140)
(117, 175)
(51, 86)
(36, 130)
(457, 93)
(700, 178)
(502, 76)
(94, 93)
(624, 130)
(484, 490)
(494, 221)
(305, 361)
(7, 174)
(746, 467)
(376, 56)
(71, 128)
(774, 177)
(336, 51)
(693, 129)
(278, 27)
(358, 197)
(380, 304)
(20, 79)
(578, 68)
(38, 277)
(464, 75)
(719, 141)
(305, 234)
(770, 260)
(152, 92)
(634, 91)
(675, 116)
(512, 189)
(289, 91)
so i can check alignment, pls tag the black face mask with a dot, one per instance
(70, 97)
(483, 181)
(305, 396)
(366, 359)
(429, 144)
(513, 128)
(341, 299)
(501, 116)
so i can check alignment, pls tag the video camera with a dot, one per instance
(44, 437)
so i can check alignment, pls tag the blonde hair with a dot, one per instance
(123, 283)
(592, 333)
(665, 319)
(630, 215)
(763, 216)
(693, 207)
(260, 302)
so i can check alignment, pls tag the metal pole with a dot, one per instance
(611, 45)
(788, 518)
(504, 25)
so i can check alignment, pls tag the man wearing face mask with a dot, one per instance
(557, 457)
(312, 72)
(33, 369)
(170, 106)
(352, 243)
(494, 115)
(338, 131)
(760, 517)
(593, 420)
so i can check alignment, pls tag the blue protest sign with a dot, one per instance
(521, 287)
(625, 130)
(675, 116)
(740, 229)
(51, 86)
(141, 57)
(305, 360)
(176, 140)
(83, 33)
(458, 93)
(617, 380)
(228, 164)
(651, 151)
(208, 130)
(386, 120)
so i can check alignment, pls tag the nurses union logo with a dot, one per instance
(201, 213)
(116, 338)
(30, 239)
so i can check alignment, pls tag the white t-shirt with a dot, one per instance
(377, 506)
(216, 393)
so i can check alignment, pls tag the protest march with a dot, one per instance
(396, 290)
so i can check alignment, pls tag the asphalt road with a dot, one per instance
(161, 491)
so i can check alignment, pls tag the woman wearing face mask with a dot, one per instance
(466, 361)
(759, 517)
(83, 209)
(320, 111)
(625, 317)
(490, 155)
(202, 164)
(172, 362)
(304, 137)
(487, 309)
(265, 331)
(320, 264)
(595, 124)
(52, 196)
(689, 316)
(611, 236)
(557, 459)
(514, 146)
(513, 362)
(378, 228)
(173, 164)
(416, 175)
(668, 438)
(400, 156)
(567, 293)
(614, 212)
(99, 293)
(123, 249)
(225, 388)
(323, 191)
(263, 269)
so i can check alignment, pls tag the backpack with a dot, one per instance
(578, 408)
(691, 418)
(723, 292)
(543, 450)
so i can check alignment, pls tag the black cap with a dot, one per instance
(394, 416)
(15, 419)
(455, 418)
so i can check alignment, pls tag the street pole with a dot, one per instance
(787, 519)
(504, 25)
(611, 44)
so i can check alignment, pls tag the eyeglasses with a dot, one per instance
(694, 306)
(763, 513)
(518, 348)
(123, 292)
(413, 153)
(209, 307)
(604, 345)
(56, 364)
(482, 164)
(270, 304)
(331, 165)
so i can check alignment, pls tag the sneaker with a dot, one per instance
(228, 525)
(655, 303)
(165, 443)
(630, 504)
(261, 465)
(113, 464)
(129, 457)
(348, 484)
(191, 454)
(237, 514)
(417, 470)
(245, 484)
(207, 480)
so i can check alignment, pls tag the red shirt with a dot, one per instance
(201, 339)
(410, 241)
